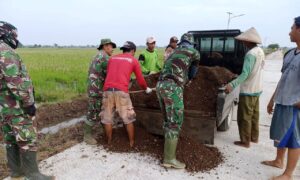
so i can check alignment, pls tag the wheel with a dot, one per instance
(227, 121)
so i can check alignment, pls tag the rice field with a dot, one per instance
(60, 74)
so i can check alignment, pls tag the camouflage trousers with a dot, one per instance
(170, 97)
(94, 109)
(18, 128)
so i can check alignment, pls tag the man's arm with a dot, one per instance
(249, 63)
(271, 103)
(194, 66)
(167, 53)
(17, 80)
(139, 76)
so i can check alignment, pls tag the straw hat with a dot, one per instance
(251, 35)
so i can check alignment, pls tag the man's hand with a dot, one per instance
(297, 105)
(30, 110)
(228, 89)
(270, 106)
(148, 90)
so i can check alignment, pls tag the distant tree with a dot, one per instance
(273, 46)
(55, 45)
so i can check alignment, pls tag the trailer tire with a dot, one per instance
(227, 121)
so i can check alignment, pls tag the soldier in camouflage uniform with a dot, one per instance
(96, 77)
(179, 69)
(17, 109)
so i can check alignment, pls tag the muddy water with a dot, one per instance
(54, 129)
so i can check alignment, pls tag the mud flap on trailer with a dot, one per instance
(226, 107)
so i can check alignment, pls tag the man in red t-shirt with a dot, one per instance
(116, 97)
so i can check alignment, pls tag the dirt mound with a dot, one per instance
(51, 114)
(52, 144)
(198, 157)
(200, 95)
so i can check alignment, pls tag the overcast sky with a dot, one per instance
(82, 22)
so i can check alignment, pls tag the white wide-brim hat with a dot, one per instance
(251, 35)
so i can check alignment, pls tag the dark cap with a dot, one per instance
(174, 39)
(297, 21)
(128, 45)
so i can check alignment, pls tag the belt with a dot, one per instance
(113, 89)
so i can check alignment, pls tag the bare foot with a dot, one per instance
(282, 177)
(274, 163)
(131, 144)
(242, 144)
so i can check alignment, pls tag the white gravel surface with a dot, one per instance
(85, 162)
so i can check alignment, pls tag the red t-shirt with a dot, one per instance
(119, 70)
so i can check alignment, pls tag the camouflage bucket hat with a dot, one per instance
(106, 41)
(187, 37)
(9, 34)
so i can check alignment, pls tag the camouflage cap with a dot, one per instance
(9, 34)
(187, 37)
(106, 41)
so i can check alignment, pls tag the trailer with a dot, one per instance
(218, 49)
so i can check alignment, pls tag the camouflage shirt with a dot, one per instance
(178, 64)
(16, 87)
(97, 74)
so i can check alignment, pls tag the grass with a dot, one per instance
(59, 74)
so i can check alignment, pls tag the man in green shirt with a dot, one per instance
(250, 81)
(148, 59)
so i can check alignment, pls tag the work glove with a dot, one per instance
(30, 110)
(152, 72)
(148, 90)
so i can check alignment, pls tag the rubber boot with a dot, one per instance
(87, 135)
(31, 168)
(170, 160)
(14, 162)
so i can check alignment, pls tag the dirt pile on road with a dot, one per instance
(51, 114)
(52, 144)
(198, 157)
(200, 95)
